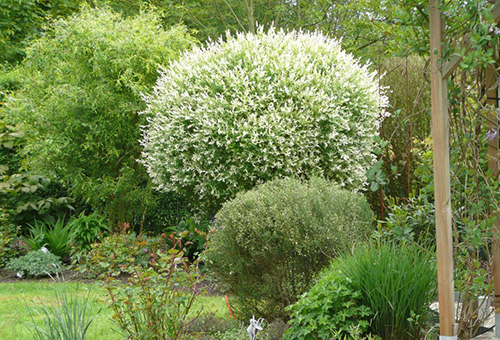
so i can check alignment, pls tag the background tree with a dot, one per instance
(363, 25)
(82, 97)
(23, 20)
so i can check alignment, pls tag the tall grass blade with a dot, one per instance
(68, 319)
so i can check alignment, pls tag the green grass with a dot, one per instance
(16, 297)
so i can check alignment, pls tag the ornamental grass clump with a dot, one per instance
(269, 243)
(258, 107)
(68, 319)
(398, 284)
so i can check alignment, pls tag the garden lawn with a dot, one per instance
(16, 297)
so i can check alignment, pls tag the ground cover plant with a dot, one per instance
(331, 308)
(258, 107)
(268, 244)
(35, 263)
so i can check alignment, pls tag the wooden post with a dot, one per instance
(492, 98)
(493, 145)
(440, 138)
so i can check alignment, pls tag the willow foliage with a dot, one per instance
(260, 106)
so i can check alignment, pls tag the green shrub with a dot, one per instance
(83, 85)
(193, 234)
(25, 195)
(413, 220)
(9, 81)
(397, 282)
(270, 242)
(158, 298)
(87, 228)
(5, 240)
(119, 253)
(258, 107)
(8, 237)
(35, 263)
(332, 308)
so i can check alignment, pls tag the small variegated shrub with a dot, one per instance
(258, 107)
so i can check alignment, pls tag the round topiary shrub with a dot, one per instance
(258, 107)
(269, 243)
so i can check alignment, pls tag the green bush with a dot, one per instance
(25, 195)
(158, 298)
(35, 263)
(119, 253)
(258, 107)
(331, 308)
(87, 229)
(83, 85)
(270, 242)
(398, 284)
(8, 238)
(412, 220)
(193, 234)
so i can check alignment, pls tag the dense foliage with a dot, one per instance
(35, 263)
(25, 195)
(330, 308)
(397, 283)
(8, 238)
(81, 98)
(269, 243)
(119, 253)
(157, 300)
(227, 117)
(23, 21)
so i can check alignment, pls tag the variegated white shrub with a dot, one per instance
(233, 114)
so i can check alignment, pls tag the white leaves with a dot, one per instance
(259, 106)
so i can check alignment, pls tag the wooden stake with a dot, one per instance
(441, 176)
(492, 99)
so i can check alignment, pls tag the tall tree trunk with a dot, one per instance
(250, 15)
(299, 18)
